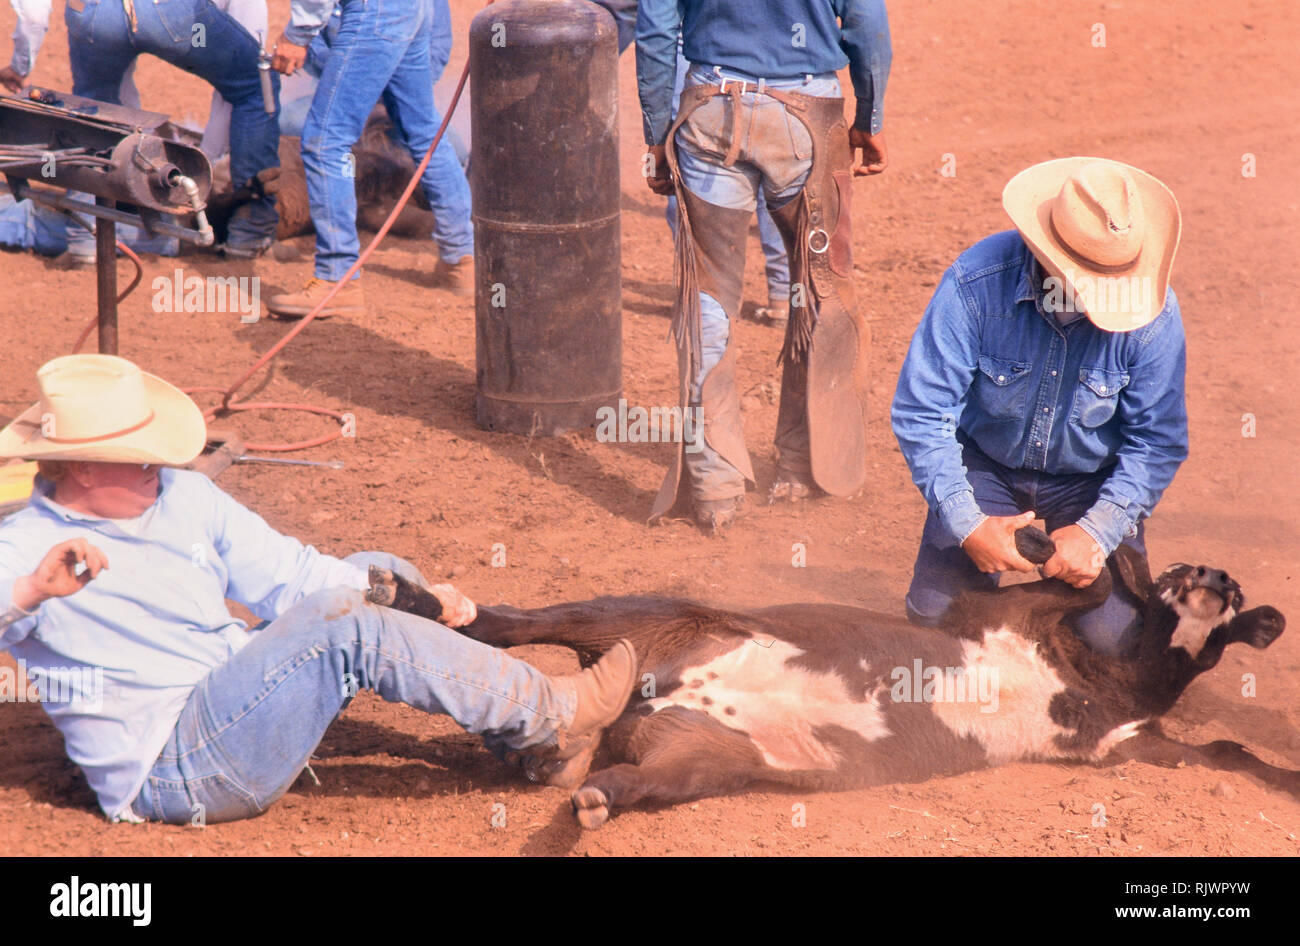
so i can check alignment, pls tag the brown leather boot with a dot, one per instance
(603, 691)
(457, 278)
(350, 300)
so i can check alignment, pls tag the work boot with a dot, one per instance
(603, 690)
(457, 278)
(715, 516)
(350, 300)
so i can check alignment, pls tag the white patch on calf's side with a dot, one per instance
(776, 703)
(1021, 726)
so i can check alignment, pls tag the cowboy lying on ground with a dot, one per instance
(122, 564)
(1046, 378)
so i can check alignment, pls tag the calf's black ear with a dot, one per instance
(1258, 627)
(1133, 571)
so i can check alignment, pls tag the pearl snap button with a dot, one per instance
(1002, 377)
(1102, 389)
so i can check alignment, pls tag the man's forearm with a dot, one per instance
(864, 37)
(29, 33)
(657, 28)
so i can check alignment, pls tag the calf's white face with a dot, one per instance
(1201, 600)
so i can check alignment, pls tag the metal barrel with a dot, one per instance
(547, 242)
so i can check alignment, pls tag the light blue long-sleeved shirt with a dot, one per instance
(134, 642)
(306, 19)
(775, 39)
(1038, 395)
(29, 32)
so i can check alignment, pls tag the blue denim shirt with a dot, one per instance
(776, 39)
(142, 635)
(1037, 395)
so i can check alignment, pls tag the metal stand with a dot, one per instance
(106, 278)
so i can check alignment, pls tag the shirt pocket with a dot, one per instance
(1002, 386)
(1097, 396)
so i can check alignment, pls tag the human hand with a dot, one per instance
(287, 57)
(873, 155)
(1078, 559)
(457, 610)
(661, 181)
(56, 576)
(11, 80)
(992, 546)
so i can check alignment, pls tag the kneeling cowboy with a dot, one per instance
(786, 133)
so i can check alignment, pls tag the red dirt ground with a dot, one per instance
(1182, 89)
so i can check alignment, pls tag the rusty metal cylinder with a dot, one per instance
(547, 245)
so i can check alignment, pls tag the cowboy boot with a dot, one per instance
(350, 300)
(603, 691)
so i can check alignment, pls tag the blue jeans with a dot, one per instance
(774, 159)
(251, 725)
(102, 45)
(943, 569)
(379, 51)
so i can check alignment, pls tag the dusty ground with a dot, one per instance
(1182, 89)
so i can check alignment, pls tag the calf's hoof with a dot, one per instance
(1034, 545)
(383, 587)
(590, 807)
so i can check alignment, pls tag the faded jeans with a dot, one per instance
(101, 45)
(775, 158)
(381, 50)
(943, 569)
(251, 725)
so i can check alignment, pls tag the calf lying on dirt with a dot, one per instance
(382, 170)
(826, 696)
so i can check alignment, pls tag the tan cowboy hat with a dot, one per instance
(104, 408)
(1107, 230)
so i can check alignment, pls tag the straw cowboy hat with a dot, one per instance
(104, 408)
(1107, 230)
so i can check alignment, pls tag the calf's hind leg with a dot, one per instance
(676, 754)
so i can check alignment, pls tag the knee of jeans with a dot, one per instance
(393, 563)
(335, 611)
(926, 608)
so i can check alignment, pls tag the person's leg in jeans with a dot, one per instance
(251, 725)
(1113, 626)
(227, 59)
(943, 570)
(409, 100)
(777, 309)
(701, 142)
(100, 50)
(360, 64)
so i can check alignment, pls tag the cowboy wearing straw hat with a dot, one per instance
(1046, 379)
(113, 583)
